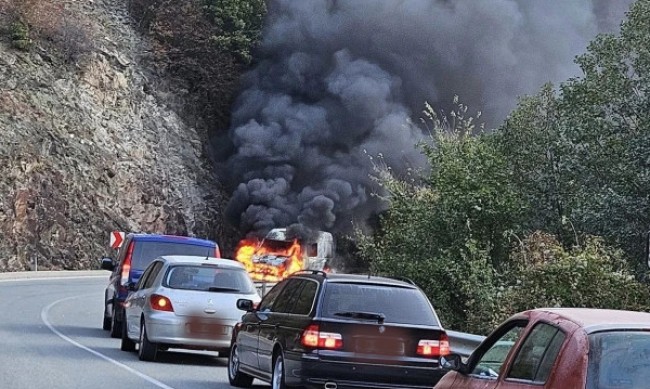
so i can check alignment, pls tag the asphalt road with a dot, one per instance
(51, 337)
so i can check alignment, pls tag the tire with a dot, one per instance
(147, 350)
(127, 344)
(277, 379)
(106, 325)
(236, 377)
(108, 322)
(116, 326)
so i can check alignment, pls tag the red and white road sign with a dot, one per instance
(116, 240)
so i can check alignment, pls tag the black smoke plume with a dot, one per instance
(340, 83)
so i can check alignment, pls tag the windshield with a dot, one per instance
(277, 245)
(145, 252)
(209, 278)
(619, 360)
(390, 304)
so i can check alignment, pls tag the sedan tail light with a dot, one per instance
(312, 337)
(434, 348)
(161, 303)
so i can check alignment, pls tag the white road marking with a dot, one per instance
(44, 317)
(49, 278)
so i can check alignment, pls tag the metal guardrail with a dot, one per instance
(463, 343)
(263, 287)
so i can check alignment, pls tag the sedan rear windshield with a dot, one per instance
(619, 359)
(393, 303)
(145, 252)
(209, 278)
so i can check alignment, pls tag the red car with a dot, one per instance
(558, 348)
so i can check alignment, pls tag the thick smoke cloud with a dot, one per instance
(337, 82)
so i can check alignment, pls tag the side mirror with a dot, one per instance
(451, 362)
(107, 264)
(245, 305)
(131, 286)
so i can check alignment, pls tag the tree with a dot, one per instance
(581, 156)
(545, 274)
(606, 113)
(448, 229)
(240, 24)
(534, 141)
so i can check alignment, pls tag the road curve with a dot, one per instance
(51, 337)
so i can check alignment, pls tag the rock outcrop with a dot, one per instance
(94, 146)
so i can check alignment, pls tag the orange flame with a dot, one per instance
(250, 252)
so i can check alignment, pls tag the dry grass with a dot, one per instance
(47, 21)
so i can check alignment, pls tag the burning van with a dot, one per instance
(278, 255)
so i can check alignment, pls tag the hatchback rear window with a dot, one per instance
(145, 252)
(396, 304)
(209, 278)
(619, 359)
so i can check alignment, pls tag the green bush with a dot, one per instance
(445, 229)
(545, 274)
(239, 23)
(20, 38)
(455, 232)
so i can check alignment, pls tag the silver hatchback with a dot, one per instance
(185, 302)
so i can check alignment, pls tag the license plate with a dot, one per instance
(203, 328)
(380, 346)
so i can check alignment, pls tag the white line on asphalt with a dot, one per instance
(44, 315)
(49, 278)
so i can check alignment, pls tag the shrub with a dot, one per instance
(239, 23)
(206, 76)
(545, 274)
(73, 39)
(20, 35)
(454, 232)
(49, 22)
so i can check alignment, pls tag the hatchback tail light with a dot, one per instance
(161, 303)
(434, 348)
(312, 337)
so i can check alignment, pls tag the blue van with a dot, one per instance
(135, 254)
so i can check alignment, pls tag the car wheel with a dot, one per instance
(127, 344)
(277, 381)
(236, 377)
(107, 322)
(147, 350)
(116, 326)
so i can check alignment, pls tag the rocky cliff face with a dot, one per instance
(94, 146)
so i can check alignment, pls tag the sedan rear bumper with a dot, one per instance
(316, 373)
(190, 333)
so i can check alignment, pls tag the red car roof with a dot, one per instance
(593, 320)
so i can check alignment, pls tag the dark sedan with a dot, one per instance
(331, 331)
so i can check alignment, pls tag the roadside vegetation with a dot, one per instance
(551, 209)
(203, 47)
(47, 25)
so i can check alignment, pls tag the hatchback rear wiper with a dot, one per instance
(222, 289)
(380, 317)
